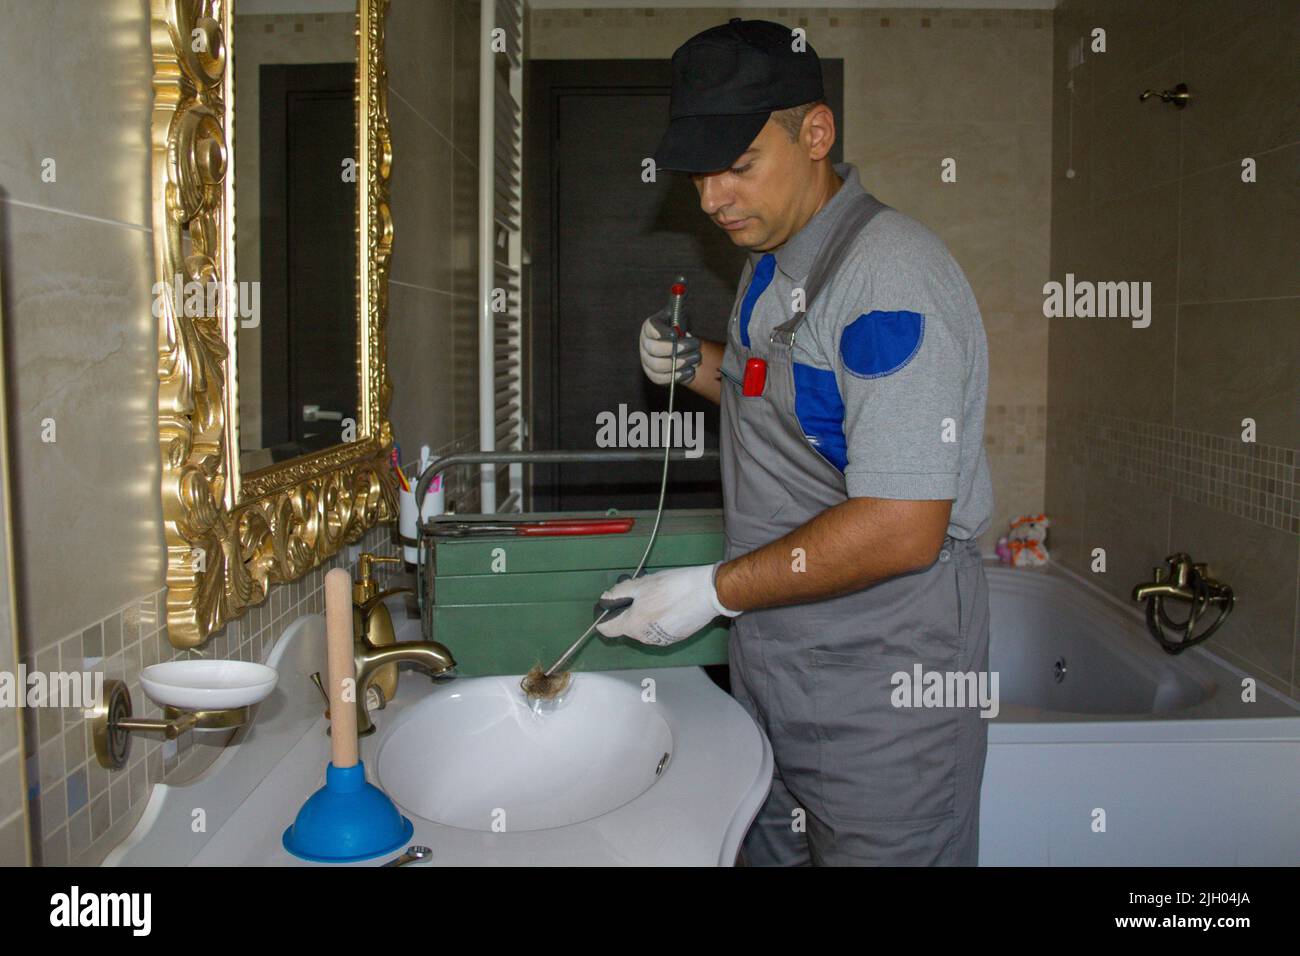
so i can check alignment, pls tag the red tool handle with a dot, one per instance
(679, 294)
(590, 526)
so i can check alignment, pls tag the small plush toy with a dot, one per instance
(1027, 540)
(1003, 550)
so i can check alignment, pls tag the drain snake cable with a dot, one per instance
(546, 684)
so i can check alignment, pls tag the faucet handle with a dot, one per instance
(1180, 565)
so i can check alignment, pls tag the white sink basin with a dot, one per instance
(475, 755)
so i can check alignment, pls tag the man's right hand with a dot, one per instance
(657, 350)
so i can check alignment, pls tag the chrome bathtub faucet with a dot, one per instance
(1189, 583)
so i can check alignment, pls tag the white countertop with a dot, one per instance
(695, 814)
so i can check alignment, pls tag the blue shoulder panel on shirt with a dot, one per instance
(880, 343)
(760, 280)
(820, 410)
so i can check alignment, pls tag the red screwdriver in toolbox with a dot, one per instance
(552, 527)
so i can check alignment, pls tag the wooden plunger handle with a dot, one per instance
(342, 668)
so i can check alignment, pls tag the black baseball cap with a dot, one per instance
(726, 83)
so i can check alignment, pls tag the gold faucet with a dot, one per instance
(377, 651)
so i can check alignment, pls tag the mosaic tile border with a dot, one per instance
(1015, 429)
(1252, 481)
(880, 17)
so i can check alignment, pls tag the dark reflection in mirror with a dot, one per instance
(295, 233)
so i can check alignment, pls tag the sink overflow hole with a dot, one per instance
(662, 763)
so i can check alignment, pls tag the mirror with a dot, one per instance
(295, 123)
(272, 202)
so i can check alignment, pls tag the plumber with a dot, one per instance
(853, 384)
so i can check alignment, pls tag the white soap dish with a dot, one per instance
(194, 694)
(204, 685)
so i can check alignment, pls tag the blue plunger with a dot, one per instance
(348, 819)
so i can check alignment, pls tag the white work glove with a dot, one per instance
(657, 350)
(667, 607)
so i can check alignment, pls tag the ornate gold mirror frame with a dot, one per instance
(230, 536)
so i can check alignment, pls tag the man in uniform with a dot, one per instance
(853, 384)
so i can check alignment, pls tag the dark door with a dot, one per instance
(605, 249)
(309, 252)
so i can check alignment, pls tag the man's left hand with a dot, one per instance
(667, 607)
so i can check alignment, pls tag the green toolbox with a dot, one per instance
(502, 601)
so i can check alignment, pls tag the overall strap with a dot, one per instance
(860, 211)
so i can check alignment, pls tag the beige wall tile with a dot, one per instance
(12, 797)
(13, 749)
(1072, 130)
(1238, 360)
(84, 338)
(1238, 239)
(464, 226)
(1131, 522)
(419, 45)
(1033, 52)
(464, 79)
(1115, 368)
(85, 70)
(1200, 20)
(13, 842)
(1137, 36)
(1259, 564)
(1135, 144)
(1031, 259)
(9, 724)
(1295, 634)
(1018, 482)
(1240, 69)
(900, 163)
(1075, 248)
(1017, 344)
(1137, 241)
(1066, 504)
(421, 198)
(54, 848)
(420, 364)
(942, 73)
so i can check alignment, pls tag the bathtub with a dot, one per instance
(1107, 751)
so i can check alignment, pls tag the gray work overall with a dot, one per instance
(876, 784)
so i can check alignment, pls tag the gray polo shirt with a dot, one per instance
(891, 363)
